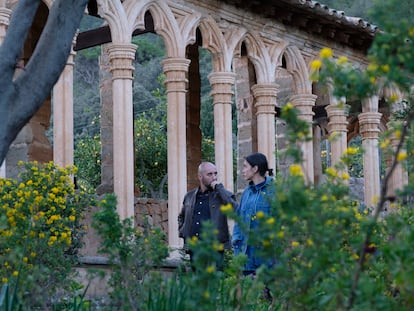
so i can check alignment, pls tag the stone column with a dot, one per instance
(222, 84)
(265, 98)
(122, 58)
(176, 81)
(317, 160)
(4, 23)
(369, 129)
(337, 129)
(304, 103)
(399, 176)
(107, 141)
(63, 115)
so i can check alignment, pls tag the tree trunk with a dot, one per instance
(22, 96)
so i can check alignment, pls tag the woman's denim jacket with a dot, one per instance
(253, 199)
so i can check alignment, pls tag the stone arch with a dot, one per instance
(258, 54)
(296, 65)
(114, 14)
(214, 41)
(176, 32)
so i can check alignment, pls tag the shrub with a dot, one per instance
(40, 232)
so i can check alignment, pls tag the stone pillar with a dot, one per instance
(369, 129)
(399, 176)
(222, 84)
(63, 115)
(265, 98)
(317, 160)
(304, 103)
(122, 57)
(4, 23)
(176, 81)
(107, 141)
(337, 129)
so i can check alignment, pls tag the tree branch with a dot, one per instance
(11, 49)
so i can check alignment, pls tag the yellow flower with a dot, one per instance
(385, 68)
(270, 221)
(210, 269)
(351, 150)
(326, 53)
(345, 176)
(295, 170)
(193, 240)
(372, 67)
(397, 134)
(226, 208)
(218, 246)
(266, 243)
(342, 60)
(295, 244)
(260, 214)
(401, 156)
(281, 234)
(72, 218)
(355, 256)
(384, 144)
(15, 273)
(331, 171)
(25, 259)
(206, 295)
(309, 242)
(316, 65)
(295, 219)
(288, 107)
(393, 98)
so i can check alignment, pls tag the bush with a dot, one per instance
(40, 232)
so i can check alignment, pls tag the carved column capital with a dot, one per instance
(304, 103)
(176, 70)
(337, 116)
(122, 57)
(265, 95)
(369, 124)
(222, 84)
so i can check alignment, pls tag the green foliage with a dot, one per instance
(150, 141)
(133, 255)
(87, 158)
(148, 47)
(40, 232)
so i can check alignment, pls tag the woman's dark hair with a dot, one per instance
(259, 159)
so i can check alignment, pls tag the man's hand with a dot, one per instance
(213, 184)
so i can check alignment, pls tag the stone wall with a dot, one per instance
(154, 211)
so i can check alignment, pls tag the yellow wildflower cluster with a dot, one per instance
(36, 208)
(295, 170)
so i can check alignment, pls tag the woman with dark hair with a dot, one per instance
(256, 197)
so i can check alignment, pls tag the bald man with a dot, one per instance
(203, 203)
